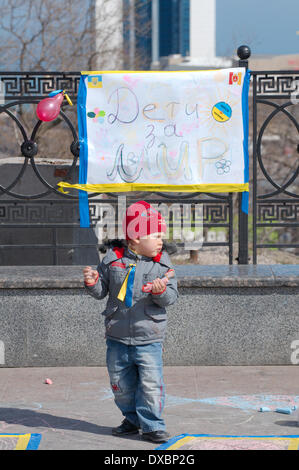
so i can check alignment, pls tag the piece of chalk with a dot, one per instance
(286, 411)
(264, 408)
(48, 381)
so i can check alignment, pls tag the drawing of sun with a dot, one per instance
(218, 111)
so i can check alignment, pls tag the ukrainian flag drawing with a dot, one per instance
(28, 441)
(222, 112)
(95, 81)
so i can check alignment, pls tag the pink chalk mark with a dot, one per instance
(188, 128)
(131, 81)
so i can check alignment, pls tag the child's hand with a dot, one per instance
(159, 286)
(90, 275)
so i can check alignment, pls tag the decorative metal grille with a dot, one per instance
(37, 85)
(275, 204)
(275, 84)
(51, 209)
(37, 210)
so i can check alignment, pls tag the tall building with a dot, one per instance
(197, 37)
(154, 29)
(203, 29)
(205, 33)
(185, 27)
(137, 33)
(188, 28)
(174, 27)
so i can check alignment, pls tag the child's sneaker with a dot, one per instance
(125, 428)
(156, 436)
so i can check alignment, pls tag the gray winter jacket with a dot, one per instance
(145, 321)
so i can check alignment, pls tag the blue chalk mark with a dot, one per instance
(246, 403)
(171, 400)
(243, 402)
(286, 411)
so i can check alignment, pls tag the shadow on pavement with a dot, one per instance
(35, 419)
(288, 424)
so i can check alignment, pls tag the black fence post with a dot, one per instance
(243, 54)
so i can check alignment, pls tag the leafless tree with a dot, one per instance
(50, 35)
(53, 35)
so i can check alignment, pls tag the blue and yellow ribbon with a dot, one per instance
(126, 291)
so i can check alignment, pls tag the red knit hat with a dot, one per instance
(142, 219)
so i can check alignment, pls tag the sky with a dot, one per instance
(266, 26)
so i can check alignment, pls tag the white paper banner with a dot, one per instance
(171, 131)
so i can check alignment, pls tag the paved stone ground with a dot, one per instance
(77, 411)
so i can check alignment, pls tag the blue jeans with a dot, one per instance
(136, 377)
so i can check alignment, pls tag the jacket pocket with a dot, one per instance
(155, 312)
(110, 310)
(118, 274)
(117, 277)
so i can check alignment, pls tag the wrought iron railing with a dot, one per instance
(275, 205)
(52, 210)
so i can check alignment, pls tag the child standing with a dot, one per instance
(141, 282)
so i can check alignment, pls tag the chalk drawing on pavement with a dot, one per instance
(243, 402)
(214, 442)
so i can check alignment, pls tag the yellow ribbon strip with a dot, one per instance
(178, 188)
(68, 99)
(102, 72)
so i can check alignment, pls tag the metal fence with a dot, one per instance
(276, 205)
(56, 212)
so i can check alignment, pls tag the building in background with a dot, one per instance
(176, 34)
(170, 34)
(192, 26)
(137, 34)
(154, 29)
(174, 27)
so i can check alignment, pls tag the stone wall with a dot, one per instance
(225, 315)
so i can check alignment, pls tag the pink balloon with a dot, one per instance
(49, 108)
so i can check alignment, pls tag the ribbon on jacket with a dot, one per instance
(126, 290)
